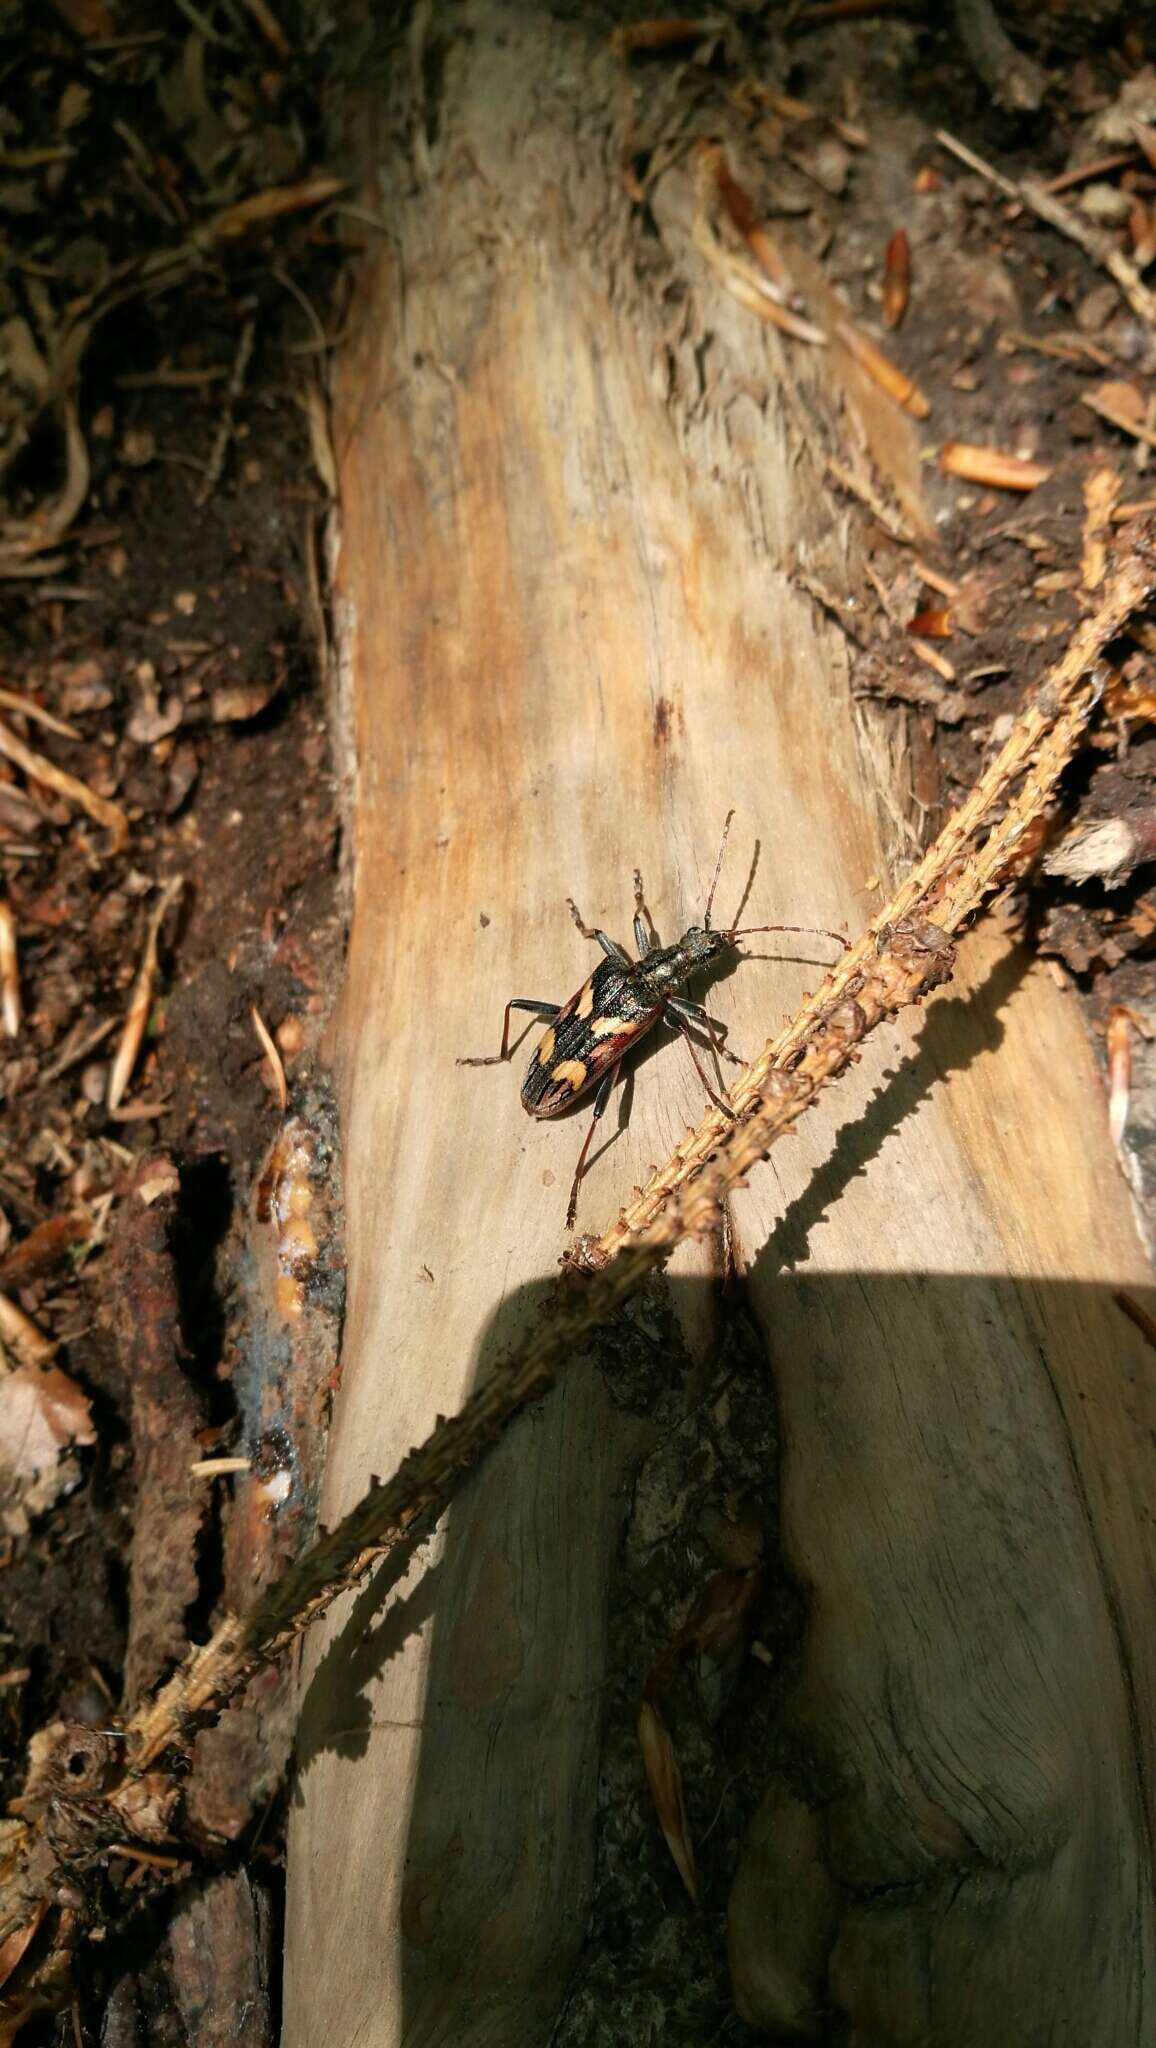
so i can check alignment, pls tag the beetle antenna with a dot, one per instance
(814, 931)
(717, 871)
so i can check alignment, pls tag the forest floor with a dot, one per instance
(179, 248)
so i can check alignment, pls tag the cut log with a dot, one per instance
(575, 481)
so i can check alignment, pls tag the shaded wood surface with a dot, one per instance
(571, 641)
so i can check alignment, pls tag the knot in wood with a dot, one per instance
(83, 1763)
(68, 1763)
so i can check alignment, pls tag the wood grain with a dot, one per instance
(570, 642)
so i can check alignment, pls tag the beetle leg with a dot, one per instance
(700, 1070)
(610, 947)
(693, 1013)
(600, 1101)
(645, 936)
(490, 1059)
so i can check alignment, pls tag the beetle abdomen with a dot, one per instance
(586, 1038)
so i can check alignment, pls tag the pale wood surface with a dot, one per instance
(571, 641)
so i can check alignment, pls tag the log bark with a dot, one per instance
(576, 481)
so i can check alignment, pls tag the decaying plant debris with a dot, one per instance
(935, 642)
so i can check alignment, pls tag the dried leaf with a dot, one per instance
(86, 17)
(75, 102)
(991, 466)
(751, 293)
(20, 1335)
(272, 204)
(933, 624)
(721, 1614)
(42, 1415)
(896, 277)
(662, 33)
(665, 1781)
(12, 1950)
(740, 209)
(1122, 405)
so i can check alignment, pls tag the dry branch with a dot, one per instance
(905, 953)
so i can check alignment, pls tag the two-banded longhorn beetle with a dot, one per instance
(589, 1036)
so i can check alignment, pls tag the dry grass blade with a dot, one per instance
(272, 204)
(889, 377)
(9, 971)
(269, 1048)
(269, 26)
(41, 769)
(140, 1001)
(752, 293)
(14, 700)
(665, 1781)
(931, 655)
(737, 204)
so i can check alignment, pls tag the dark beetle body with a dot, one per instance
(610, 1012)
(587, 1039)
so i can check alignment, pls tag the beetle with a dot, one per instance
(587, 1039)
